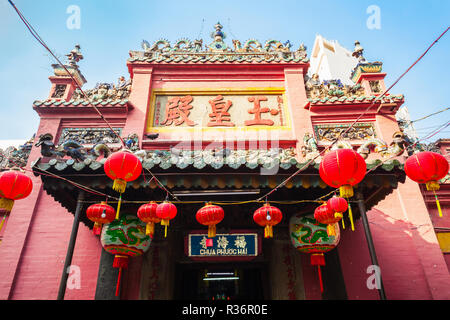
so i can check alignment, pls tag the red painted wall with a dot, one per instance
(35, 240)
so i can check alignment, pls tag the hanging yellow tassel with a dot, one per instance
(119, 185)
(346, 191)
(150, 229)
(165, 223)
(118, 207)
(343, 224)
(330, 230)
(211, 231)
(3, 222)
(6, 204)
(438, 204)
(350, 215)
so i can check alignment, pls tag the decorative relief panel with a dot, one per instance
(329, 132)
(89, 135)
(217, 109)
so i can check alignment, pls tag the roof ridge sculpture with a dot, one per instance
(185, 50)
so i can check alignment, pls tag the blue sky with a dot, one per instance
(110, 28)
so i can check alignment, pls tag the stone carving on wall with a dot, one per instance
(89, 135)
(395, 148)
(359, 131)
(309, 148)
(15, 157)
(104, 91)
(79, 144)
(315, 89)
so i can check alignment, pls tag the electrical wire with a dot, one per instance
(357, 119)
(39, 39)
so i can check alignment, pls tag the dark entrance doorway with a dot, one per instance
(219, 281)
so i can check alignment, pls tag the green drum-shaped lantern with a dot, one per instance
(124, 238)
(310, 236)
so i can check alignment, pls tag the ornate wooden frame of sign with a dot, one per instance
(237, 245)
(218, 109)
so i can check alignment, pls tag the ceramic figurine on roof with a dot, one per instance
(358, 52)
(74, 56)
(250, 51)
(363, 65)
(218, 36)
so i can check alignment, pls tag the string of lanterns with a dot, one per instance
(341, 168)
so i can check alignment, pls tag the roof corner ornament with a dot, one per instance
(358, 52)
(75, 56)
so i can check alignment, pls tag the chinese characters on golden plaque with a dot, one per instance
(218, 110)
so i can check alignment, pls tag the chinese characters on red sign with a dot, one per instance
(179, 109)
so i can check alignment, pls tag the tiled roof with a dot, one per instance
(356, 99)
(234, 58)
(80, 103)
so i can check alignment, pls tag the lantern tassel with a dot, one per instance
(318, 259)
(330, 230)
(350, 215)
(320, 278)
(211, 231)
(3, 222)
(165, 223)
(150, 229)
(268, 231)
(119, 185)
(118, 207)
(438, 204)
(343, 224)
(346, 191)
(118, 282)
(6, 204)
(97, 230)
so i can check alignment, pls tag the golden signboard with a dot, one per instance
(217, 109)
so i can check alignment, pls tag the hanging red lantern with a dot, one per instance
(210, 215)
(427, 167)
(166, 211)
(324, 214)
(338, 205)
(124, 238)
(122, 167)
(100, 213)
(267, 216)
(14, 185)
(147, 214)
(343, 168)
(310, 236)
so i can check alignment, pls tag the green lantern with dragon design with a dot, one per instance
(309, 236)
(124, 238)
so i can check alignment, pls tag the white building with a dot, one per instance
(331, 61)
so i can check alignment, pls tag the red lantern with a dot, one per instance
(100, 213)
(147, 214)
(210, 215)
(166, 211)
(427, 167)
(14, 185)
(267, 216)
(122, 167)
(338, 205)
(343, 168)
(324, 214)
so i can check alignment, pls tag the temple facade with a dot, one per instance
(227, 123)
